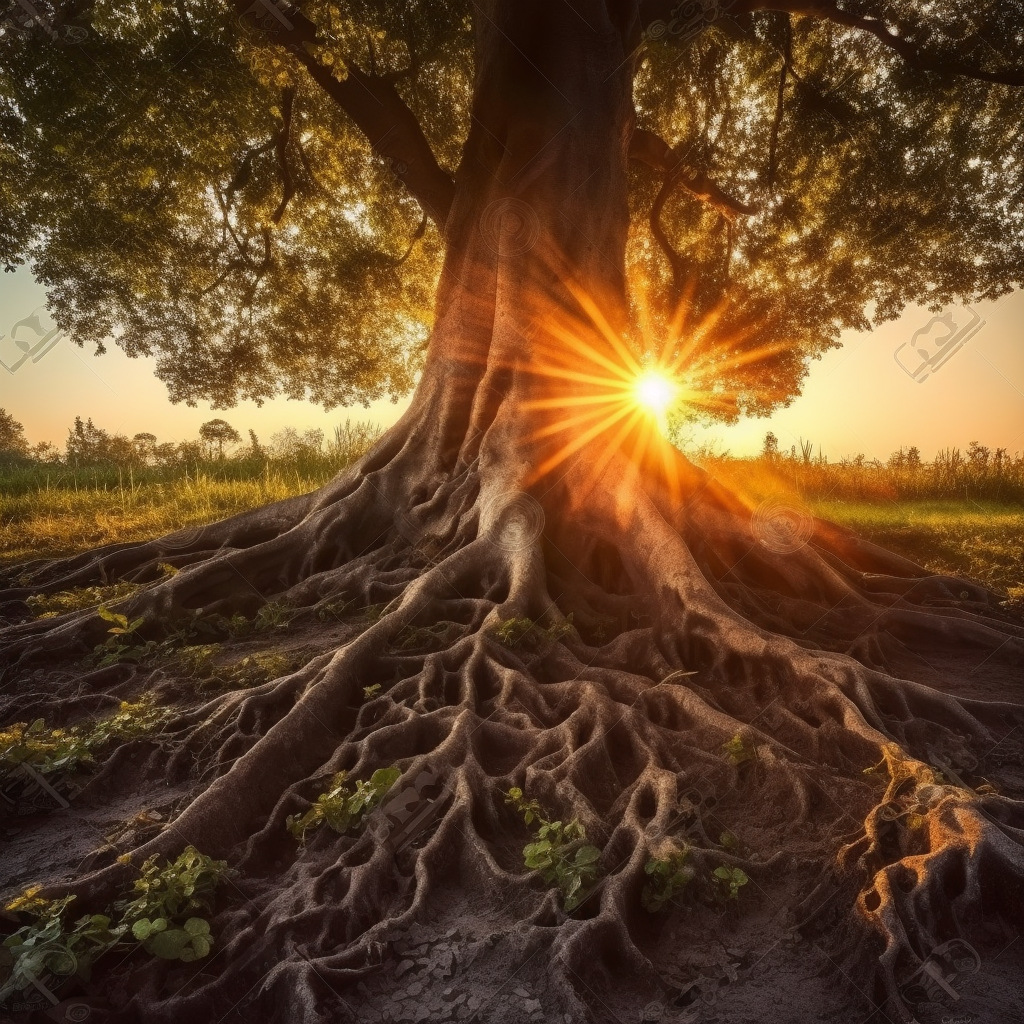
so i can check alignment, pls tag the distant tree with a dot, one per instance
(166, 454)
(770, 448)
(86, 443)
(219, 432)
(12, 436)
(144, 444)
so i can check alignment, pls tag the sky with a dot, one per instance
(933, 382)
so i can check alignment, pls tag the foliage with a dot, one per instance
(192, 941)
(12, 436)
(369, 692)
(859, 178)
(560, 853)
(737, 751)
(181, 887)
(667, 877)
(727, 882)
(201, 662)
(48, 606)
(119, 646)
(342, 808)
(48, 948)
(62, 750)
(523, 632)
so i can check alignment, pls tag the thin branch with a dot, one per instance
(417, 235)
(287, 181)
(787, 60)
(913, 54)
(652, 150)
(676, 262)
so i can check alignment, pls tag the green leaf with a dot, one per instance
(384, 778)
(169, 945)
(142, 929)
(202, 945)
(197, 926)
(587, 855)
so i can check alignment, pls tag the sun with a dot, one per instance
(655, 391)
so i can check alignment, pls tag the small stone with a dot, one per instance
(460, 998)
(521, 992)
(414, 989)
(448, 993)
(531, 1005)
(405, 965)
(473, 1002)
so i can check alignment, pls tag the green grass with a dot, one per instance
(968, 520)
(980, 539)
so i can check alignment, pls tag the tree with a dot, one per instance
(145, 446)
(596, 189)
(219, 432)
(12, 436)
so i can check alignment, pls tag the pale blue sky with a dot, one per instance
(857, 398)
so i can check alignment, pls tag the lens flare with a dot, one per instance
(655, 391)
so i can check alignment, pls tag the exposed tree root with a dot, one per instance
(687, 630)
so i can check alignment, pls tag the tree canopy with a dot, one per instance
(256, 193)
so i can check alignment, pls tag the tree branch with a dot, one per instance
(787, 59)
(281, 144)
(370, 100)
(909, 51)
(652, 150)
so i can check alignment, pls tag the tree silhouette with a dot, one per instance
(219, 432)
(527, 204)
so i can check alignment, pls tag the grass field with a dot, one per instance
(51, 511)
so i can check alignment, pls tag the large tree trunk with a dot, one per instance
(521, 483)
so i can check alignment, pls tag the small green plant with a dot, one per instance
(177, 890)
(62, 750)
(667, 877)
(160, 916)
(119, 645)
(525, 633)
(202, 664)
(48, 606)
(436, 636)
(726, 882)
(333, 609)
(369, 692)
(342, 808)
(192, 941)
(560, 854)
(48, 951)
(737, 751)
